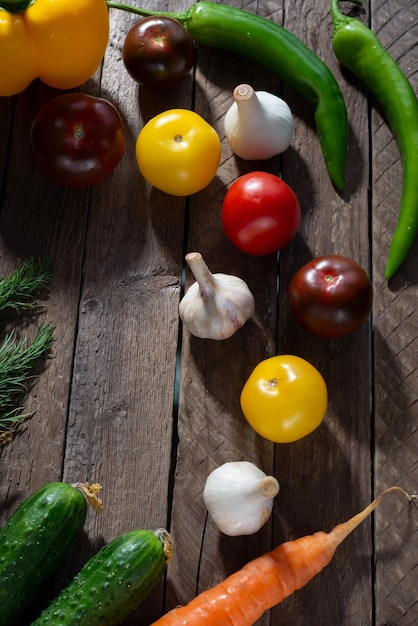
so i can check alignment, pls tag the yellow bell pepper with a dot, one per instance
(62, 42)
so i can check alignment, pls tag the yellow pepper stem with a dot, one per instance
(15, 6)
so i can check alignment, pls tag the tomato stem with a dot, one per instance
(15, 6)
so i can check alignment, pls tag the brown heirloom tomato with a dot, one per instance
(331, 296)
(77, 140)
(158, 51)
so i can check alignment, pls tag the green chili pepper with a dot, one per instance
(358, 49)
(278, 50)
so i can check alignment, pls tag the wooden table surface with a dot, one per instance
(129, 399)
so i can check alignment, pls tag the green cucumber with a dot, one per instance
(113, 583)
(34, 540)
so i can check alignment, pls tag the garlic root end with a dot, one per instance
(269, 487)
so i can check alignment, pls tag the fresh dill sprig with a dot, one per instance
(18, 361)
(18, 290)
(19, 358)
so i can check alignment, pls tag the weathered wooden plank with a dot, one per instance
(42, 220)
(395, 362)
(121, 405)
(39, 219)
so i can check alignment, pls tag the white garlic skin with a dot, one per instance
(216, 305)
(258, 125)
(239, 497)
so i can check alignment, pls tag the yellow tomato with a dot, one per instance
(284, 399)
(178, 152)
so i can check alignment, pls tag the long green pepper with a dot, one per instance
(280, 51)
(358, 49)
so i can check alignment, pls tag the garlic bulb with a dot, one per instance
(239, 497)
(216, 305)
(258, 125)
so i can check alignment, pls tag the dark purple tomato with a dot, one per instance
(331, 296)
(77, 140)
(158, 52)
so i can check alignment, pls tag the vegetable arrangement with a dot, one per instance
(285, 397)
(264, 582)
(36, 538)
(66, 57)
(358, 49)
(230, 28)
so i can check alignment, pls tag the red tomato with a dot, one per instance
(260, 213)
(158, 51)
(331, 296)
(77, 140)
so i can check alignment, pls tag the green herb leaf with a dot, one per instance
(17, 291)
(18, 360)
(18, 357)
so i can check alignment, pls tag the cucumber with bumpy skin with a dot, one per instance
(35, 539)
(113, 583)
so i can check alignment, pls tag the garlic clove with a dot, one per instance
(239, 497)
(258, 125)
(216, 305)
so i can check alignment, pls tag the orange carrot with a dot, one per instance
(264, 582)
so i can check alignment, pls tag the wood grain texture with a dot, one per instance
(395, 346)
(131, 400)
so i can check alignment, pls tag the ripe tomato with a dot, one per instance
(178, 152)
(260, 213)
(77, 140)
(331, 296)
(284, 399)
(158, 51)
